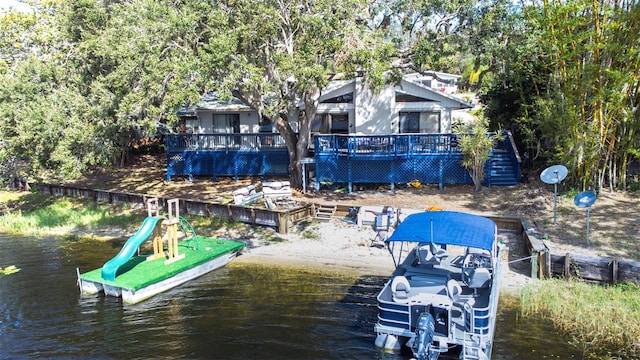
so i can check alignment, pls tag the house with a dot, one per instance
(212, 115)
(351, 107)
(345, 107)
(403, 131)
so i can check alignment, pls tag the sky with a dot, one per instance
(6, 5)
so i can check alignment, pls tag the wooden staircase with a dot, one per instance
(325, 211)
(502, 170)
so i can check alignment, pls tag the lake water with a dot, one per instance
(238, 312)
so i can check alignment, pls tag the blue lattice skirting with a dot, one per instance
(428, 169)
(227, 163)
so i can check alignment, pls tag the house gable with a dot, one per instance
(446, 101)
(370, 112)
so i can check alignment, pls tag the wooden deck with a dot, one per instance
(339, 158)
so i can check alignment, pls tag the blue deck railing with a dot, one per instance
(392, 159)
(400, 145)
(401, 158)
(225, 142)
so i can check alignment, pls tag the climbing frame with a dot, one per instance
(153, 209)
(171, 222)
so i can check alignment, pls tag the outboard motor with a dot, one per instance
(425, 330)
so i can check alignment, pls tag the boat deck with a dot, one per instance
(428, 287)
(138, 273)
(435, 277)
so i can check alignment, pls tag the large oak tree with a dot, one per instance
(287, 51)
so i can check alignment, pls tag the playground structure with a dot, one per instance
(171, 222)
(152, 227)
(136, 277)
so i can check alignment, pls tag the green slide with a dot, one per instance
(110, 268)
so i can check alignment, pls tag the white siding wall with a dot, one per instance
(374, 112)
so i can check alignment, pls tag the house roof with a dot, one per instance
(410, 85)
(213, 102)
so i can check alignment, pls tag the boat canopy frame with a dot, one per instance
(445, 228)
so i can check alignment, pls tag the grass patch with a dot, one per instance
(308, 230)
(204, 225)
(36, 214)
(209, 223)
(601, 320)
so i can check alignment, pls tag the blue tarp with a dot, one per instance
(447, 227)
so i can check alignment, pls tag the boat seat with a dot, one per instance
(429, 254)
(473, 261)
(400, 289)
(438, 252)
(454, 290)
(423, 256)
(479, 278)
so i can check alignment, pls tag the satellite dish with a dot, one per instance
(585, 199)
(554, 174)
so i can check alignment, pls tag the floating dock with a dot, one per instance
(136, 277)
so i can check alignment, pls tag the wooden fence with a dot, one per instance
(536, 249)
(589, 268)
(596, 269)
(282, 220)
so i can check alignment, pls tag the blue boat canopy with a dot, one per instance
(447, 227)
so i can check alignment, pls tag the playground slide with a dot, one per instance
(129, 249)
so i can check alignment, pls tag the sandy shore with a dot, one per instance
(337, 245)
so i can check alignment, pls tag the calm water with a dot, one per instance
(238, 312)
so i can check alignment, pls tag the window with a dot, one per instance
(341, 99)
(330, 124)
(226, 123)
(409, 122)
(340, 124)
(419, 122)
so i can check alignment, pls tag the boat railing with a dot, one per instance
(480, 322)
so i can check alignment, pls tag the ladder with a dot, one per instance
(471, 349)
(325, 211)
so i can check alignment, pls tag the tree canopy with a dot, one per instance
(571, 88)
(80, 78)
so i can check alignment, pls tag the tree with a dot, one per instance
(101, 72)
(476, 144)
(461, 36)
(589, 112)
(286, 52)
(113, 69)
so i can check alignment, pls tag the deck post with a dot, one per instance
(440, 175)
(534, 266)
(567, 265)
(282, 223)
